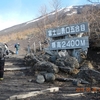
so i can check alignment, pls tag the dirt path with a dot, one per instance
(18, 82)
(15, 82)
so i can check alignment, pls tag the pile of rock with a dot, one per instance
(46, 67)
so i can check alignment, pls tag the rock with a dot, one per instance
(63, 53)
(73, 71)
(65, 69)
(45, 66)
(80, 54)
(71, 62)
(77, 83)
(43, 73)
(30, 80)
(30, 59)
(89, 75)
(40, 79)
(73, 80)
(44, 57)
(69, 70)
(60, 62)
(86, 65)
(48, 51)
(53, 59)
(49, 77)
(69, 65)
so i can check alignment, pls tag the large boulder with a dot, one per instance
(89, 75)
(44, 57)
(30, 59)
(68, 64)
(45, 66)
(71, 62)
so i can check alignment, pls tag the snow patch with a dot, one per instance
(31, 21)
(75, 12)
(68, 8)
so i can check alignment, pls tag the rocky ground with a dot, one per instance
(24, 81)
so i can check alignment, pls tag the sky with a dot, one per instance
(13, 12)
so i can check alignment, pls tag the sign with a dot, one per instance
(69, 43)
(69, 29)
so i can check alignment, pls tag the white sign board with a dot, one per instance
(70, 43)
(68, 29)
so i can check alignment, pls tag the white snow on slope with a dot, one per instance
(65, 10)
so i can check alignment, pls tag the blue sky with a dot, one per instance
(14, 12)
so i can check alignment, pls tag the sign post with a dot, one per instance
(69, 37)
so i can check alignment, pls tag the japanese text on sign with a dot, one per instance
(70, 29)
(69, 43)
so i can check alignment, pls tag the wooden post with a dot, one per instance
(40, 45)
(28, 46)
(34, 46)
